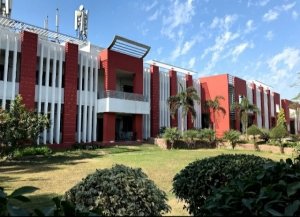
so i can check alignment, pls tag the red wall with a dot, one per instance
(217, 86)
(154, 116)
(276, 101)
(111, 61)
(189, 83)
(28, 68)
(240, 88)
(285, 105)
(70, 94)
(269, 107)
(173, 91)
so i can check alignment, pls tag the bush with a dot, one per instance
(32, 151)
(171, 134)
(265, 135)
(273, 191)
(19, 126)
(118, 191)
(10, 205)
(195, 182)
(278, 133)
(207, 134)
(161, 131)
(232, 136)
(189, 137)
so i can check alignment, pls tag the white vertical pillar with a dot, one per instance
(85, 98)
(52, 121)
(58, 115)
(95, 100)
(40, 82)
(47, 90)
(80, 101)
(5, 72)
(13, 91)
(90, 125)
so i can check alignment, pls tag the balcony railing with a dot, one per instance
(122, 95)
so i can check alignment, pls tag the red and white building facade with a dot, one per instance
(94, 94)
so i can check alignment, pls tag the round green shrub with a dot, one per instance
(118, 191)
(195, 182)
(274, 191)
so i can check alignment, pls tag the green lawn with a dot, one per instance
(56, 174)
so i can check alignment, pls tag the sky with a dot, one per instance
(250, 39)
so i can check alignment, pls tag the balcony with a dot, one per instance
(123, 102)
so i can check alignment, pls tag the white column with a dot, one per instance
(47, 90)
(85, 99)
(5, 72)
(95, 101)
(52, 122)
(80, 101)
(90, 112)
(14, 71)
(58, 115)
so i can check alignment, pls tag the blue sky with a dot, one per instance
(251, 39)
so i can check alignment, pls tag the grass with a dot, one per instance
(55, 174)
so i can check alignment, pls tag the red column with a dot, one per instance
(173, 91)
(269, 108)
(189, 83)
(240, 89)
(262, 100)
(29, 43)
(154, 117)
(276, 102)
(254, 102)
(138, 126)
(109, 122)
(70, 94)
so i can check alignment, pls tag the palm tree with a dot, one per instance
(243, 108)
(216, 107)
(186, 100)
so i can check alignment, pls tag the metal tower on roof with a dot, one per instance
(81, 23)
(5, 6)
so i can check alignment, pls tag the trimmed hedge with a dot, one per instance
(195, 183)
(274, 191)
(118, 191)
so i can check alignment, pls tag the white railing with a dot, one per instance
(122, 95)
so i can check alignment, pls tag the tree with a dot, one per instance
(278, 133)
(216, 107)
(20, 126)
(171, 134)
(185, 100)
(281, 118)
(232, 136)
(254, 131)
(243, 108)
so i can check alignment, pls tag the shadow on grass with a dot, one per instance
(121, 150)
(46, 163)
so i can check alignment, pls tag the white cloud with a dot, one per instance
(263, 2)
(180, 13)
(154, 16)
(295, 15)
(269, 35)
(239, 49)
(192, 62)
(270, 15)
(183, 49)
(249, 26)
(288, 7)
(260, 3)
(151, 6)
(283, 63)
(159, 50)
(223, 23)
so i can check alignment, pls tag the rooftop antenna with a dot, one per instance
(46, 23)
(57, 23)
(81, 23)
(5, 6)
